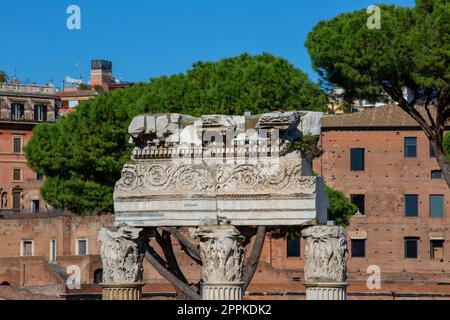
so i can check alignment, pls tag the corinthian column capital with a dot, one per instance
(326, 255)
(222, 253)
(122, 252)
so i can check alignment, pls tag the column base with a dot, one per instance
(326, 291)
(222, 291)
(121, 291)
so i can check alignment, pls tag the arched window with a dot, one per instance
(5, 283)
(98, 276)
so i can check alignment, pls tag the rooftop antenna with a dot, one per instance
(81, 68)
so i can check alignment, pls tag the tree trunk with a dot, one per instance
(189, 248)
(153, 258)
(253, 260)
(443, 161)
(165, 243)
(433, 128)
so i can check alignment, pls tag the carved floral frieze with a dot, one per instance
(142, 179)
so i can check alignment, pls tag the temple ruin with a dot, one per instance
(215, 176)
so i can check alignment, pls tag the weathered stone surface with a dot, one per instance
(222, 255)
(326, 254)
(326, 263)
(190, 171)
(174, 193)
(122, 254)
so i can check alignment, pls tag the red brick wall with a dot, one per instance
(388, 176)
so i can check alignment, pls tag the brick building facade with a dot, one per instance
(383, 161)
(378, 157)
(22, 107)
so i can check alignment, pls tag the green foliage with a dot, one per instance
(98, 88)
(341, 209)
(447, 144)
(82, 155)
(411, 49)
(84, 86)
(3, 77)
(307, 146)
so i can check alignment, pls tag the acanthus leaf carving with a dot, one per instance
(122, 253)
(222, 253)
(326, 254)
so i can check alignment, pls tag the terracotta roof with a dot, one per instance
(387, 116)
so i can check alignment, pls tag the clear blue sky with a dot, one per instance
(148, 38)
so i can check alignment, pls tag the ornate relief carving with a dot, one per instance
(326, 254)
(144, 179)
(174, 177)
(222, 254)
(122, 253)
(279, 120)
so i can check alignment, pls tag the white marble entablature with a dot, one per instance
(188, 171)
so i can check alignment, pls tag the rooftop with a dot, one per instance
(387, 116)
(12, 88)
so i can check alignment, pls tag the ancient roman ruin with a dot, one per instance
(216, 176)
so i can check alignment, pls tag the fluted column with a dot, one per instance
(222, 255)
(326, 263)
(122, 252)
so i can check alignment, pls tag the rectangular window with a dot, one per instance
(35, 206)
(17, 199)
(411, 205)
(357, 159)
(27, 248)
(437, 249)
(53, 250)
(432, 151)
(437, 206)
(17, 174)
(358, 248)
(17, 111)
(40, 113)
(436, 174)
(410, 147)
(81, 247)
(411, 247)
(293, 248)
(73, 103)
(360, 201)
(17, 142)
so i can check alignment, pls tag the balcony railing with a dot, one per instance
(27, 214)
(27, 88)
